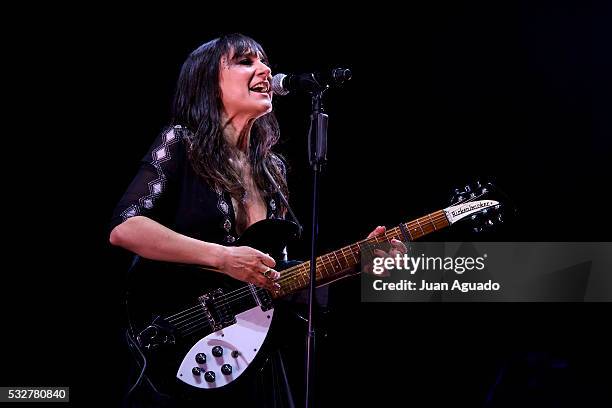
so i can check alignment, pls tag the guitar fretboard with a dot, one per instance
(340, 263)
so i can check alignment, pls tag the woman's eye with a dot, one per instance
(245, 61)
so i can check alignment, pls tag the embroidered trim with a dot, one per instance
(273, 212)
(157, 186)
(227, 225)
(223, 206)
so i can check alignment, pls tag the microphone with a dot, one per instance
(282, 84)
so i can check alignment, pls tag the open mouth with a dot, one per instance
(262, 87)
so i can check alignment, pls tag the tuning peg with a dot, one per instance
(458, 196)
(470, 191)
(481, 189)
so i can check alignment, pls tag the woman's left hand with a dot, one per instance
(397, 248)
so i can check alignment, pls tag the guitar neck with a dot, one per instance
(341, 263)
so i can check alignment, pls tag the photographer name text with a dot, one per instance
(423, 285)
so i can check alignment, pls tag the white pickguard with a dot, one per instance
(245, 336)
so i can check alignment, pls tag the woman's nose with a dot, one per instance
(264, 70)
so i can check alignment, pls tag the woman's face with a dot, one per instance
(246, 85)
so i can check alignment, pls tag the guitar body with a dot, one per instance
(198, 328)
(202, 331)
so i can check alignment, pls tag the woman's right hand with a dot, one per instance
(250, 265)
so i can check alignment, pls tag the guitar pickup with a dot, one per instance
(217, 309)
(265, 301)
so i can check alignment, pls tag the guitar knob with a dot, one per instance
(217, 351)
(226, 369)
(196, 371)
(235, 353)
(200, 358)
(209, 376)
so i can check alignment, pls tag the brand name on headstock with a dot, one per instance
(472, 206)
(457, 212)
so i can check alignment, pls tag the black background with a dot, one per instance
(441, 95)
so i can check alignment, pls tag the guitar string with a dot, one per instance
(440, 216)
(290, 276)
(323, 263)
(194, 329)
(231, 296)
(185, 313)
(191, 324)
(185, 327)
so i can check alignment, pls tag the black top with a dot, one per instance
(167, 190)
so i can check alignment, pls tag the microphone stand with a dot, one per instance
(317, 151)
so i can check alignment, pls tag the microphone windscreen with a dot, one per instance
(277, 84)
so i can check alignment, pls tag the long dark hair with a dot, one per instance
(198, 107)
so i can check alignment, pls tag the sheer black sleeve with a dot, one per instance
(151, 191)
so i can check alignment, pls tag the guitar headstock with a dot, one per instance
(482, 203)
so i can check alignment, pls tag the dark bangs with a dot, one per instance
(242, 46)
